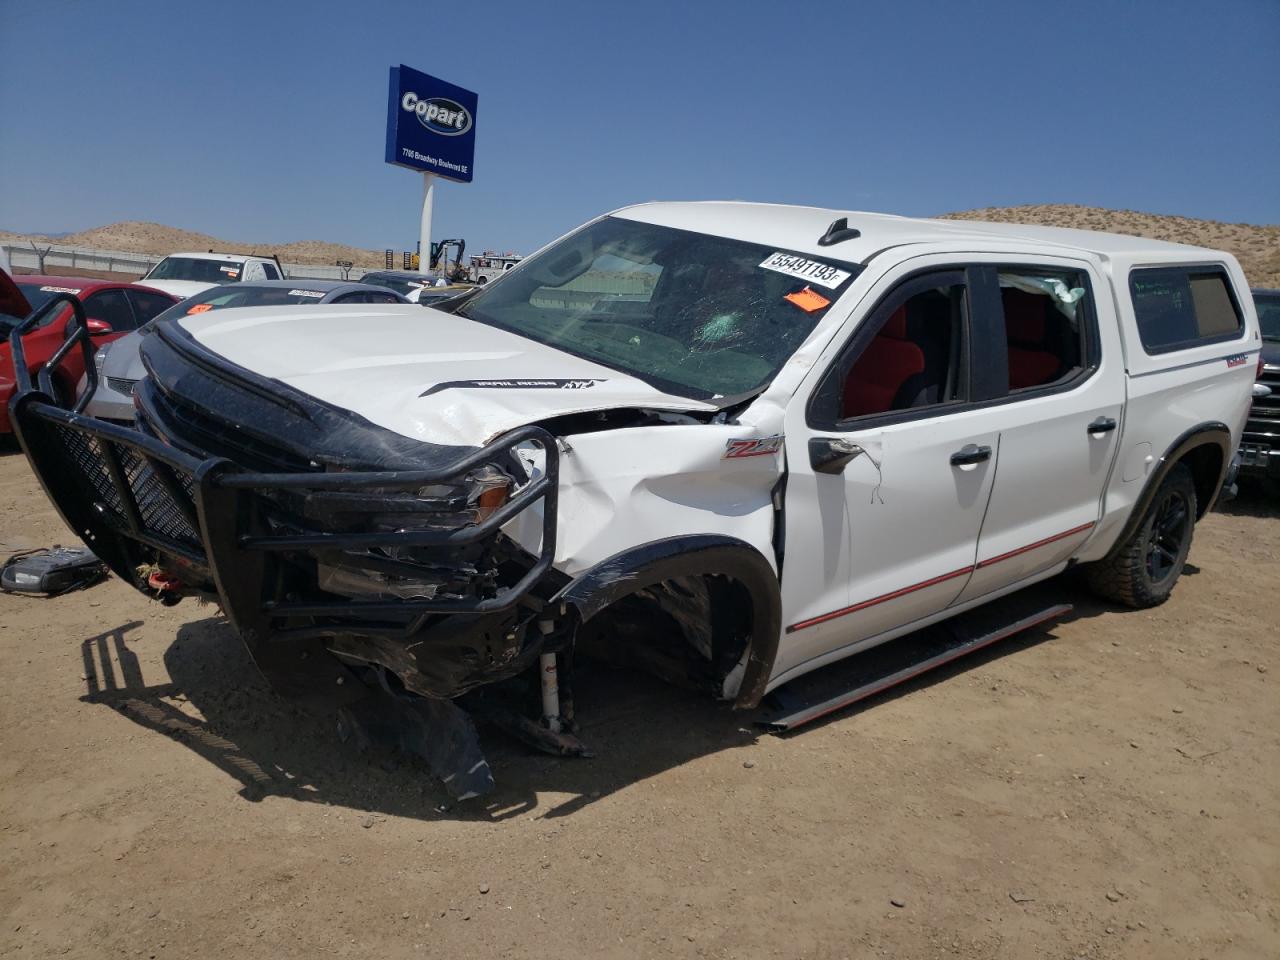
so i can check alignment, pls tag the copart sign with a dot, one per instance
(431, 125)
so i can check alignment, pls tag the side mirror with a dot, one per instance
(98, 327)
(832, 454)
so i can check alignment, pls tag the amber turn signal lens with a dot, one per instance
(489, 501)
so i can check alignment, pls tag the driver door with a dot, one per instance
(890, 468)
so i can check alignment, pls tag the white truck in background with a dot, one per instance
(489, 265)
(186, 274)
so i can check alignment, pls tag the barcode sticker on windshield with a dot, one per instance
(811, 270)
(306, 293)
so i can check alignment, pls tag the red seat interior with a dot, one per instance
(1030, 364)
(887, 363)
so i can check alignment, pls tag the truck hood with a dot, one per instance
(179, 288)
(420, 372)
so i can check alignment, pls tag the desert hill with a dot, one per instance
(138, 236)
(1257, 247)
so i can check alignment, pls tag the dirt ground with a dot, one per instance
(1106, 788)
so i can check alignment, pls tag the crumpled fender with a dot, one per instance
(696, 555)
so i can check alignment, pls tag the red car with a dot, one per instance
(112, 309)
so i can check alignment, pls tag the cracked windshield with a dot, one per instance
(692, 314)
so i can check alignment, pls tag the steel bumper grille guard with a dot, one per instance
(122, 491)
(116, 487)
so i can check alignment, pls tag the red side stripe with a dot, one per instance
(880, 599)
(1035, 546)
(834, 614)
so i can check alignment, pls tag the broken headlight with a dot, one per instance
(410, 572)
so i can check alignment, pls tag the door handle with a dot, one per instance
(1103, 425)
(969, 454)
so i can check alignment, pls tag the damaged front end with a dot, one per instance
(338, 550)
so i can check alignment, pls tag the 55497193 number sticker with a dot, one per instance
(815, 271)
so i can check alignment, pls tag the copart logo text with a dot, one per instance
(438, 114)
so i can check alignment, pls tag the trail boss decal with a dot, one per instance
(1239, 360)
(756, 447)
(438, 114)
(511, 385)
(812, 270)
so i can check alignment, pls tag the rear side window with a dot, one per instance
(1046, 325)
(1182, 307)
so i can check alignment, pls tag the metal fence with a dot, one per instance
(124, 261)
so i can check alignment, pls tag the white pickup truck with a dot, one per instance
(186, 274)
(743, 441)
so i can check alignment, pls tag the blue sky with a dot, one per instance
(264, 121)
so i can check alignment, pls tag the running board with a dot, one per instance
(864, 675)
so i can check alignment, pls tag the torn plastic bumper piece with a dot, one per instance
(438, 731)
(139, 503)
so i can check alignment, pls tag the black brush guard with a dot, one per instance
(129, 496)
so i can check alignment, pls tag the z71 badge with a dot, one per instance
(1239, 360)
(759, 447)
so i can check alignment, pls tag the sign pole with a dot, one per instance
(424, 234)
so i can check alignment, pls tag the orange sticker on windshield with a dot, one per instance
(808, 300)
(200, 308)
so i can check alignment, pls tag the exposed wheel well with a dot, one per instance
(683, 572)
(690, 630)
(1205, 463)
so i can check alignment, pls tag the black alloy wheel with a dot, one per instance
(1170, 525)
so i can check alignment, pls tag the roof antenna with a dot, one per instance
(838, 232)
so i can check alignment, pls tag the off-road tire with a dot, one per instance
(1126, 575)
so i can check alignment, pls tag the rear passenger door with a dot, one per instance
(1046, 328)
